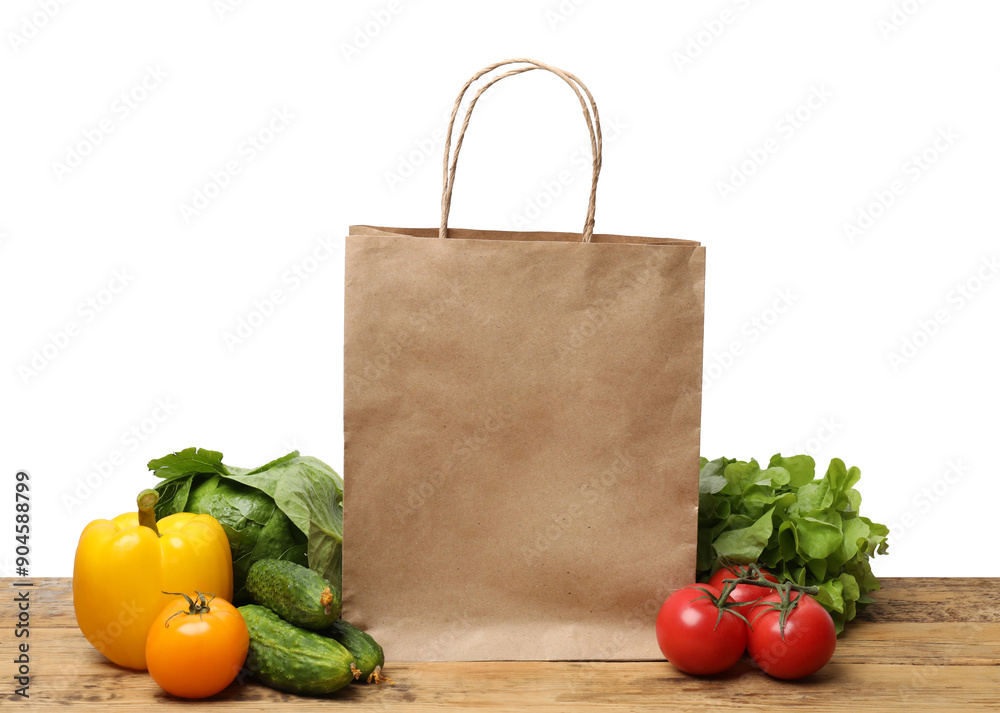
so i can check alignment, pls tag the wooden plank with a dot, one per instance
(901, 599)
(933, 647)
(953, 644)
(960, 644)
(67, 672)
(916, 599)
(51, 601)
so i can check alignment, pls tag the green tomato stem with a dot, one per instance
(757, 579)
(197, 606)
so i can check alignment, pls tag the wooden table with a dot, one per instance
(926, 645)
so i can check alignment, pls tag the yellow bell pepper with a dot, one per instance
(124, 565)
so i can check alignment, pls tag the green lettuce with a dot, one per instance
(291, 508)
(803, 529)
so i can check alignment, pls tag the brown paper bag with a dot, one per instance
(521, 430)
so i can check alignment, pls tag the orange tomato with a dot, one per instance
(196, 646)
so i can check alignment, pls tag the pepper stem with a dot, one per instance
(146, 501)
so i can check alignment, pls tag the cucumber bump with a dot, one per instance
(297, 594)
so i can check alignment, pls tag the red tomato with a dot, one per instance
(196, 651)
(809, 641)
(689, 637)
(743, 592)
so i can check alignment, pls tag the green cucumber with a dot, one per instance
(295, 593)
(368, 655)
(291, 659)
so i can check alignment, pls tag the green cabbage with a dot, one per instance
(292, 508)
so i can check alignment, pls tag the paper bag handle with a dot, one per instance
(593, 125)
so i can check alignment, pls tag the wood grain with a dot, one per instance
(926, 645)
(917, 600)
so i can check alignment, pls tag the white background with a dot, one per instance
(688, 95)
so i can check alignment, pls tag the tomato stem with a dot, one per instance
(752, 575)
(722, 605)
(198, 607)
